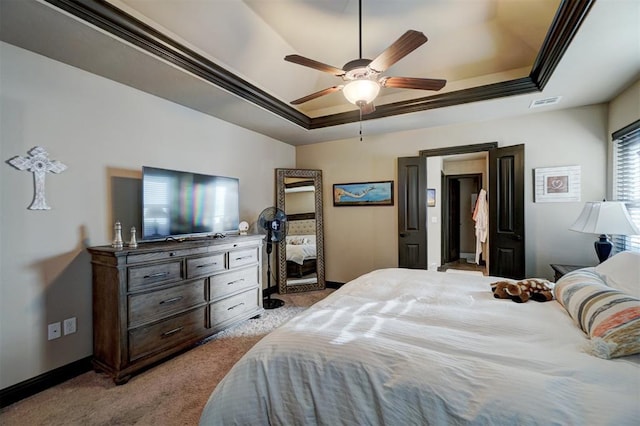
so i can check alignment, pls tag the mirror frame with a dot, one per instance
(316, 176)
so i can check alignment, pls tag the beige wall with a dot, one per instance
(465, 167)
(623, 110)
(434, 214)
(101, 130)
(300, 202)
(360, 239)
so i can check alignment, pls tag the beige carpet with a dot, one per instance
(463, 265)
(172, 393)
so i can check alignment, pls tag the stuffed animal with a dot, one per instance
(521, 291)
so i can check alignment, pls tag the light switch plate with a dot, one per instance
(53, 331)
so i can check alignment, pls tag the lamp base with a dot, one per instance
(603, 248)
(272, 303)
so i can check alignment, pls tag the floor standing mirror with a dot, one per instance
(301, 255)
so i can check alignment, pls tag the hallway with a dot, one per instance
(462, 265)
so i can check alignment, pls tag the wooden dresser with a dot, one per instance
(162, 297)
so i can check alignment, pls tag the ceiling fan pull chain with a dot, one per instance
(360, 109)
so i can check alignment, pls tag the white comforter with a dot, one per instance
(298, 253)
(409, 347)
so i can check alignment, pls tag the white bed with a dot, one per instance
(301, 258)
(300, 248)
(404, 347)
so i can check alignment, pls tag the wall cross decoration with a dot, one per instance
(39, 164)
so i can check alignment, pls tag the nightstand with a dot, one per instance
(560, 270)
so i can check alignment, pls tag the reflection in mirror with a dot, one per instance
(301, 255)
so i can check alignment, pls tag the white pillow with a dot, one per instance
(296, 241)
(622, 272)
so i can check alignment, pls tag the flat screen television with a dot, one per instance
(182, 204)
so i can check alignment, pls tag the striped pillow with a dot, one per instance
(608, 316)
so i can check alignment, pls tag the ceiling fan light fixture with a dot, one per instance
(362, 91)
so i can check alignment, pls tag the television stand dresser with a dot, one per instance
(162, 297)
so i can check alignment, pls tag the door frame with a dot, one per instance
(447, 216)
(462, 149)
(454, 150)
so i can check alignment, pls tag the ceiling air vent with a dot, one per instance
(545, 102)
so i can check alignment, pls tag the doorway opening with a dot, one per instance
(420, 194)
(459, 249)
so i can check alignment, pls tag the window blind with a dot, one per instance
(626, 174)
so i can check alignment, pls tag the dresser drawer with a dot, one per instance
(166, 334)
(226, 309)
(153, 256)
(147, 307)
(144, 276)
(242, 257)
(229, 282)
(205, 265)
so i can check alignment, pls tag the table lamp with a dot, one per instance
(605, 218)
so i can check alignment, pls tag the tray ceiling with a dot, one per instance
(225, 58)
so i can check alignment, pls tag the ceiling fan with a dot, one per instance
(362, 77)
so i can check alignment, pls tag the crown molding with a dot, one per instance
(567, 21)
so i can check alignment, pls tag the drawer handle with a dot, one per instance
(157, 275)
(235, 306)
(243, 257)
(170, 332)
(236, 281)
(174, 300)
(207, 264)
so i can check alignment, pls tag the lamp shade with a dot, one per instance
(605, 217)
(360, 92)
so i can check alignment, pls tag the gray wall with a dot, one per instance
(104, 132)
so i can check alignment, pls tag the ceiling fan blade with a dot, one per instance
(301, 60)
(406, 44)
(317, 95)
(367, 108)
(413, 83)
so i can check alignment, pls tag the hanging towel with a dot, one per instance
(481, 217)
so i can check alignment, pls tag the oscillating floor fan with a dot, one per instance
(273, 221)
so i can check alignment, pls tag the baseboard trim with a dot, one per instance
(333, 284)
(44, 381)
(37, 384)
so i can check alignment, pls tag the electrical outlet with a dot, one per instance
(53, 331)
(69, 325)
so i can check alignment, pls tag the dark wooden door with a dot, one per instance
(412, 213)
(506, 212)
